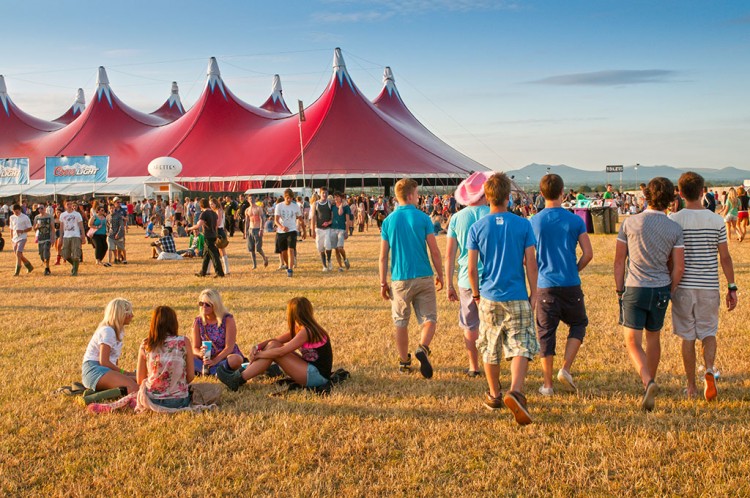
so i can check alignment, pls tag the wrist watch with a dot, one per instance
(732, 287)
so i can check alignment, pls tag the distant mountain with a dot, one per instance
(529, 176)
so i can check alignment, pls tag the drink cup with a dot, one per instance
(206, 354)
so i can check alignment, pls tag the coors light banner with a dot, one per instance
(14, 171)
(76, 169)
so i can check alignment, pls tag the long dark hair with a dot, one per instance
(163, 325)
(300, 310)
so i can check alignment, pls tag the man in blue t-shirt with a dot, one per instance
(504, 243)
(404, 234)
(470, 193)
(341, 218)
(559, 297)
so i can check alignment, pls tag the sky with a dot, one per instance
(508, 83)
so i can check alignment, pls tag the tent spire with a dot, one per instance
(389, 81)
(4, 95)
(102, 85)
(80, 103)
(339, 68)
(276, 90)
(174, 98)
(214, 76)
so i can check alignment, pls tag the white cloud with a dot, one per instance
(610, 78)
(381, 10)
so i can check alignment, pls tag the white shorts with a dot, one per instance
(323, 239)
(695, 313)
(337, 238)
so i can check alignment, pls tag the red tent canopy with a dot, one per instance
(223, 139)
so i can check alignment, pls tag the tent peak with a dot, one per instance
(3, 88)
(4, 95)
(276, 87)
(175, 88)
(213, 67)
(339, 68)
(388, 75)
(80, 97)
(102, 79)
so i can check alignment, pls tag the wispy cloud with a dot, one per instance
(740, 20)
(615, 77)
(382, 10)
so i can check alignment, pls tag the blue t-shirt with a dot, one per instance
(406, 230)
(502, 239)
(338, 221)
(557, 231)
(458, 228)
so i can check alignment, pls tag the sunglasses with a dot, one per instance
(201, 304)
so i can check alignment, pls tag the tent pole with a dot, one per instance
(302, 153)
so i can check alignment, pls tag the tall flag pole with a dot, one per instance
(301, 144)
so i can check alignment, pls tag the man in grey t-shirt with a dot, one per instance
(648, 241)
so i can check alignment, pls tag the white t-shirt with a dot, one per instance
(70, 223)
(289, 214)
(103, 335)
(20, 222)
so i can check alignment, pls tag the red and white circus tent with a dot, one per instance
(224, 143)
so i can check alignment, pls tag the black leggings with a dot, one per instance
(100, 246)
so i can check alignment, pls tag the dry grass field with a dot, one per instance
(380, 433)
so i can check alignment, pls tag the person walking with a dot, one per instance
(286, 215)
(20, 225)
(208, 222)
(320, 225)
(74, 236)
(255, 218)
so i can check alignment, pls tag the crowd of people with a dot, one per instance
(518, 278)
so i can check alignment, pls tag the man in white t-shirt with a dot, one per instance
(285, 216)
(73, 236)
(20, 225)
(320, 226)
(696, 301)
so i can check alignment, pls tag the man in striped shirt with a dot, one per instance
(696, 302)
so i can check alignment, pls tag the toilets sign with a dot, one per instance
(14, 171)
(76, 169)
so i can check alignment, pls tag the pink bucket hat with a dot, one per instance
(470, 191)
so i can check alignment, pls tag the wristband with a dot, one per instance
(732, 287)
(384, 285)
(476, 298)
(620, 292)
(122, 371)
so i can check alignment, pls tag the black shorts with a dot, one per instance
(286, 240)
(555, 304)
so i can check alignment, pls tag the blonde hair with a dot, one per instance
(115, 314)
(732, 194)
(212, 296)
(404, 188)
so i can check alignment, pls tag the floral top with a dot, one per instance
(166, 370)
(216, 334)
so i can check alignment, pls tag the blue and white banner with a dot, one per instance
(76, 169)
(14, 171)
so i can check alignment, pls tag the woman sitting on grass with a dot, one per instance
(99, 370)
(215, 324)
(311, 367)
(165, 362)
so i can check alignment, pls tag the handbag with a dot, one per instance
(222, 241)
(205, 394)
(91, 232)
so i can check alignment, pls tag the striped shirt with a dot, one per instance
(703, 230)
(650, 238)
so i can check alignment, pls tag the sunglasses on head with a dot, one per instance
(201, 304)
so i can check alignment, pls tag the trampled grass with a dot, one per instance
(380, 433)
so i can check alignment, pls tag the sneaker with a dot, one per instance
(231, 378)
(330, 266)
(516, 403)
(274, 371)
(567, 380)
(282, 267)
(710, 392)
(325, 269)
(124, 262)
(200, 274)
(649, 397)
(265, 261)
(546, 391)
(492, 403)
(340, 269)
(29, 268)
(346, 263)
(289, 273)
(472, 374)
(47, 272)
(425, 368)
(107, 265)
(405, 366)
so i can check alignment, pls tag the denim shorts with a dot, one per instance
(172, 402)
(91, 372)
(644, 307)
(314, 379)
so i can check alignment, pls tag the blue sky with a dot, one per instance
(583, 83)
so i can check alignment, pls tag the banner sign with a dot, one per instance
(76, 169)
(614, 168)
(14, 171)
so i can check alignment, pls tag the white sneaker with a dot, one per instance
(325, 269)
(546, 391)
(567, 380)
(330, 266)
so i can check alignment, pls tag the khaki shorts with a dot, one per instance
(419, 293)
(507, 326)
(695, 313)
(71, 248)
(115, 244)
